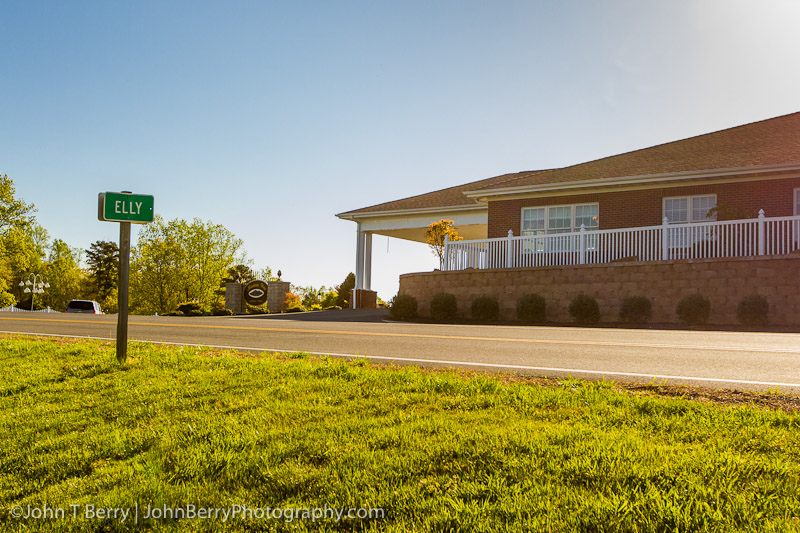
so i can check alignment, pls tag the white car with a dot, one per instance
(84, 306)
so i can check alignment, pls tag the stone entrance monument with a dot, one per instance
(256, 293)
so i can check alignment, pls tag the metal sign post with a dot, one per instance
(124, 208)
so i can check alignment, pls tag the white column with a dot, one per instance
(359, 264)
(367, 260)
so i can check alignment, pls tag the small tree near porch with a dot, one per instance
(436, 233)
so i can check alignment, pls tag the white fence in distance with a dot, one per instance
(700, 240)
(15, 309)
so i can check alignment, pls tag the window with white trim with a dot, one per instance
(533, 221)
(559, 218)
(680, 210)
(588, 216)
(686, 209)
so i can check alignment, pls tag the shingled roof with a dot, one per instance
(450, 197)
(773, 141)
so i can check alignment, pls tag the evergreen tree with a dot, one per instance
(103, 260)
(345, 291)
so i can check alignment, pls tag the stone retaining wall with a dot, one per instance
(276, 295)
(724, 281)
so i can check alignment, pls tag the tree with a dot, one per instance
(266, 274)
(238, 274)
(14, 213)
(312, 297)
(22, 242)
(103, 260)
(309, 296)
(345, 291)
(180, 261)
(155, 275)
(293, 301)
(435, 236)
(63, 273)
(6, 299)
(22, 251)
(329, 299)
(210, 249)
(110, 303)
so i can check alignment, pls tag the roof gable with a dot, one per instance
(449, 197)
(773, 141)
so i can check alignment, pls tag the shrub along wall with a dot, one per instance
(723, 281)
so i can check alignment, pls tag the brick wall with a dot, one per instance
(628, 209)
(724, 281)
(366, 299)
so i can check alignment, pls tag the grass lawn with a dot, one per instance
(435, 451)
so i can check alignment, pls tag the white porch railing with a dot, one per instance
(730, 238)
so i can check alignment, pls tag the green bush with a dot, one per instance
(753, 310)
(531, 308)
(190, 308)
(296, 309)
(331, 308)
(584, 309)
(636, 309)
(403, 307)
(694, 309)
(444, 307)
(485, 308)
(328, 300)
(109, 304)
(221, 311)
(6, 299)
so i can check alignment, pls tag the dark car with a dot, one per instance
(84, 306)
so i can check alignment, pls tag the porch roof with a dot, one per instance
(451, 197)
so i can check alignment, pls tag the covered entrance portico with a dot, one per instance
(407, 224)
(408, 219)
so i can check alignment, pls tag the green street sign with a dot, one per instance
(124, 207)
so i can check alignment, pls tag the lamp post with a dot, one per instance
(37, 286)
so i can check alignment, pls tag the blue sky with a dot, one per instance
(270, 117)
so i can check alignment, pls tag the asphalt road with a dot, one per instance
(730, 360)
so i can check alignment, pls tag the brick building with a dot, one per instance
(616, 208)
